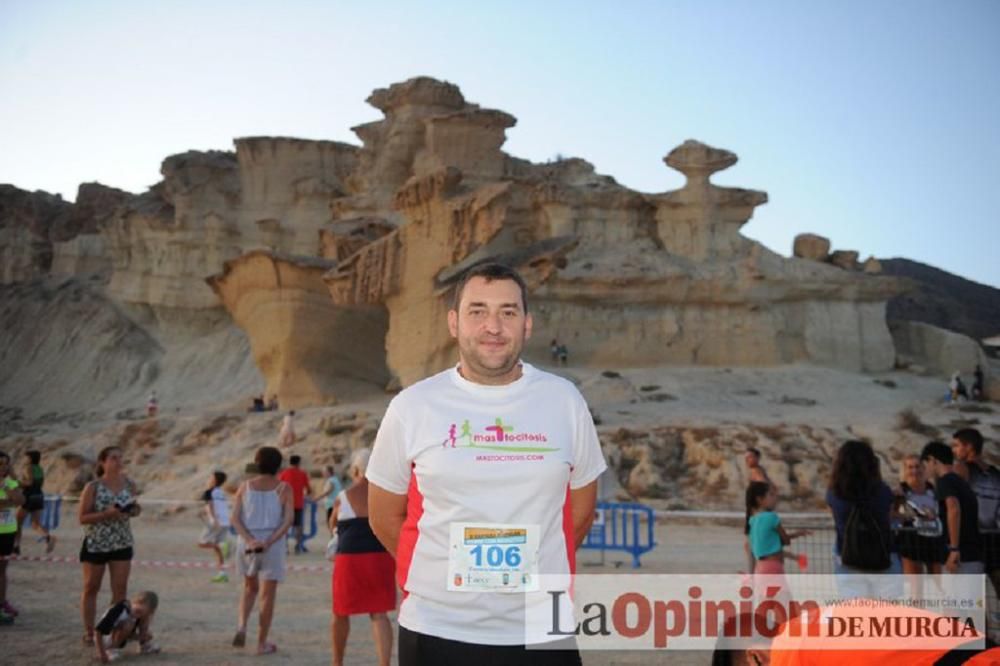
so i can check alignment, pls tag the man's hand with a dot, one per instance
(951, 564)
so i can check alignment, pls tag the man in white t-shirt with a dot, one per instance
(483, 478)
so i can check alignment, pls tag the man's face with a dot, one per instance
(490, 326)
(930, 468)
(751, 459)
(962, 451)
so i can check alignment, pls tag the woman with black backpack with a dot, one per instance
(861, 504)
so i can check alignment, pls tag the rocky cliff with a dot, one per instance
(296, 239)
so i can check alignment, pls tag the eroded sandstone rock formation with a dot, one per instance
(304, 345)
(620, 276)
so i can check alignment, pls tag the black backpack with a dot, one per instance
(864, 546)
(985, 484)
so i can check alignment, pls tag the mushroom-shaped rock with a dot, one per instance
(698, 161)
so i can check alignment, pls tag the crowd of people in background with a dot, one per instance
(943, 515)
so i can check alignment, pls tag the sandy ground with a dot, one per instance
(196, 618)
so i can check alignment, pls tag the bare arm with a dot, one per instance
(786, 537)
(954, 510)
(386, 514)
(237, 517)
(332, 523)
(582, 502)
(287, 514)
(15, 498)
(86, 512)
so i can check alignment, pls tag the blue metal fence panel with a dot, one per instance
(626, 527)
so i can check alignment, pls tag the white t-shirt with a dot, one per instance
(438, 444)
(220, 506)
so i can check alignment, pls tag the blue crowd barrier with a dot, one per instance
(626, 527)
(50, 513)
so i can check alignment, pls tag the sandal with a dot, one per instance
(240, 639)
(88, 639)
(50, 544)
(267, 648)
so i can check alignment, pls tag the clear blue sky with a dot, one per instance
(876, 124)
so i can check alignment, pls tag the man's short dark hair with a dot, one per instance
(490, 271)
(220, 478)
(294, 460)
(939, 451)
(972, 437)
(754, 451)
(36, 456)
(268, 460)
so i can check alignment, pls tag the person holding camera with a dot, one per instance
(262, 513)
(107, 504)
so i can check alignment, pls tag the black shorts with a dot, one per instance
(417, 649)
(7, 544)
(928, 550)
(120, 555)
(297, 518)
(34, 503)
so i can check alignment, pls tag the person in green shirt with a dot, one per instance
(32, 478)
(10, 499)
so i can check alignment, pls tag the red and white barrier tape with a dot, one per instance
(161, 564)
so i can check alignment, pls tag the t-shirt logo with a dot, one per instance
(499, 436)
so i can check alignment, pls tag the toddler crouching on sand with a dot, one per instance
(125, 621)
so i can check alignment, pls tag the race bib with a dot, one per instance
(8, 516)
(493, 557)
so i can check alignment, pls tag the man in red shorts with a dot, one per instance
(299, 481)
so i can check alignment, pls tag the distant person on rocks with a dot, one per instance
(107, 504)
(957, 388)
(331, 490)
(958, 508)
(563, 354)
(977, 384)
(262, 514)
(554, 350)
(32, 479)
(10, 499)
(984, 479)
(272, 403)
(152, 405)
(257, 405)
(215, 536)
(286, 437)
(363, 571)
(298, 481)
